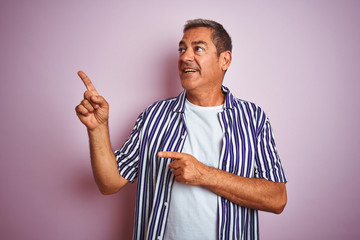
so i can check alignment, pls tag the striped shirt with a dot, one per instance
(248, 150)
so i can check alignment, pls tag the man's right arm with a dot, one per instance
(93, 112)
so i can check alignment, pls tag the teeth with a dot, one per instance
(189, 70)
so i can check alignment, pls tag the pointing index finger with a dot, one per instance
(173, 155)
(87, 82)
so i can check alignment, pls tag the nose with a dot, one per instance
(187, 56)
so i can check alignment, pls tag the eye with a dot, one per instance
(199, 49)
(181, 50)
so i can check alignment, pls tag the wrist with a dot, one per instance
(208, 176)
(104, 127)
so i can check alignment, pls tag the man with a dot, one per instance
(205, 161)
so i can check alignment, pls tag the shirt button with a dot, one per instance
(183, 136)
(165, 204)
(159, 237)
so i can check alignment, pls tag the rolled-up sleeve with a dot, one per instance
(127, 156)
(267, 160)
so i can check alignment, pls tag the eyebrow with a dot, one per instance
(194, 43)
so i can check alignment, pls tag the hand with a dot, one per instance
(93, 110)
(186, 168)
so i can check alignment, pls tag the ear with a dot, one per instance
(225, 60)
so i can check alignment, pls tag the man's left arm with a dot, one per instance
(255, 193)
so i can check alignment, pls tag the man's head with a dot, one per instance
(219, 37)
(204, 55)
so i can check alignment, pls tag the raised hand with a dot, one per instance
(93, 110)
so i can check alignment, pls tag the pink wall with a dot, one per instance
(299, 60)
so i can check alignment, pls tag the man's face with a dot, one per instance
(199, 66)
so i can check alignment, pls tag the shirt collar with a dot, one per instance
(180, 100)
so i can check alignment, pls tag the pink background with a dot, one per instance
(298, 60)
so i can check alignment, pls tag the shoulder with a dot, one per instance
(167, 103)
(156, 111)
(249, 112)
(164, 107)
(237, 104)
(249, 107)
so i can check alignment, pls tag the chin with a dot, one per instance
(188, 84)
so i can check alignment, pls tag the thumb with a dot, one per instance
(99, 101)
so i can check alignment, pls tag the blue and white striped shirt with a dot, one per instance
(248, 150)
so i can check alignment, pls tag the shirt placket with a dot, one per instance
(225, 120)
(165, 202)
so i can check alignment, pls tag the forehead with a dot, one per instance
(197, 34)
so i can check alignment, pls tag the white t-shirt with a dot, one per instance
(193, 209)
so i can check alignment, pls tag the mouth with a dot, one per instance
(189, 70)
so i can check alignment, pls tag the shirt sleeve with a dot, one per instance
(127, 156)
(267, 160)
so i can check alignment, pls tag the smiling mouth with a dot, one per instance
(189, 70)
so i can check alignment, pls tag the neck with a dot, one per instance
(206, 98)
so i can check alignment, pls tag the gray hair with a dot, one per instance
(219, 37)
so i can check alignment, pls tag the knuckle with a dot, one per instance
(81, 110)
(78, 109)
(87, 94)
